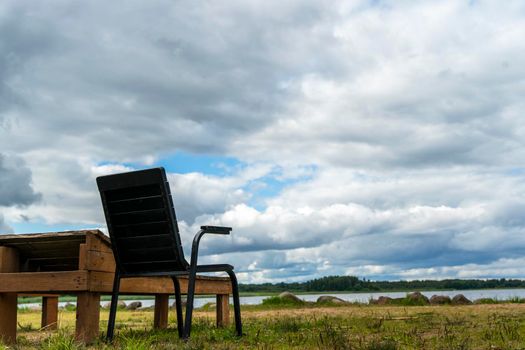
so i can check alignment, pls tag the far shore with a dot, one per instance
(71, 298)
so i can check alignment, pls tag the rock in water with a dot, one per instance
(440, 300)
(330, 299)
(460, 299)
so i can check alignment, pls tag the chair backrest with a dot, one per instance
(141, 222)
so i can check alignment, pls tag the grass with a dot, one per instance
(305, 326)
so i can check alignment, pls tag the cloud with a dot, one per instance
(178, 73)
(418, 90)
(15, 182)
(393, 129)
(350, 222)
(15, 186)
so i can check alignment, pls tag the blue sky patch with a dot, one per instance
(183, 163)
(40, 227)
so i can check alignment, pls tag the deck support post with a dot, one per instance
(223, 310)
(88, 316)
(9, 262)
(160, 317)
(49, 312)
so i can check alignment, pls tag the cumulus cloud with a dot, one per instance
(15, 182)
(117, 79)
(15, 186)
(396, 127)
(417, 90)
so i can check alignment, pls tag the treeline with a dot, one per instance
(354, 284)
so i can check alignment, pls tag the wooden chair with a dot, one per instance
(145, 239)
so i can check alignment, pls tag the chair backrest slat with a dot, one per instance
(141, 222)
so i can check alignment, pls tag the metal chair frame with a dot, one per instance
(178, 264)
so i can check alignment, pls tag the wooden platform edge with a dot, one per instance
(102, 282)
(45, 282)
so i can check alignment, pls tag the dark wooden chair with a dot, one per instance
(145, 239)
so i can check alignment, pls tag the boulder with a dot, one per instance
(330, 299)
(290, 297)
(440, 300)
(120, 305)
(381, 301)
(460, 299)
(134, 305)
(417, 298)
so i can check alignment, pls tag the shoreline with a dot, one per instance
(106, 298)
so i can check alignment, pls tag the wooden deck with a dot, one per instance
(81, 263)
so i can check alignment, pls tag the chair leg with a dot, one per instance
(236, 302)
(178, 304)
(189, 303)
(113, 309)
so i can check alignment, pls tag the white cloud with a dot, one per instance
(510, 268)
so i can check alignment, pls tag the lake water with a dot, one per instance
(499, 294)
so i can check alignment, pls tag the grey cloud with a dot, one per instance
(399, 109)
(24, 38)
(215, 78)
(15, 182)
(198, 79)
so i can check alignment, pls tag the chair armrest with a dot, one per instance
(220, 230)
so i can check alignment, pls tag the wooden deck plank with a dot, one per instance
(45, 282)
(100, 261)
(98, 242)
(102, 282)
(50, 236)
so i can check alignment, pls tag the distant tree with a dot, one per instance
(353, 283)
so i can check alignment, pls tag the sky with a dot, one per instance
(381, 139)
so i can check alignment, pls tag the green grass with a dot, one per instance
(276, 302)
(277, 325)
